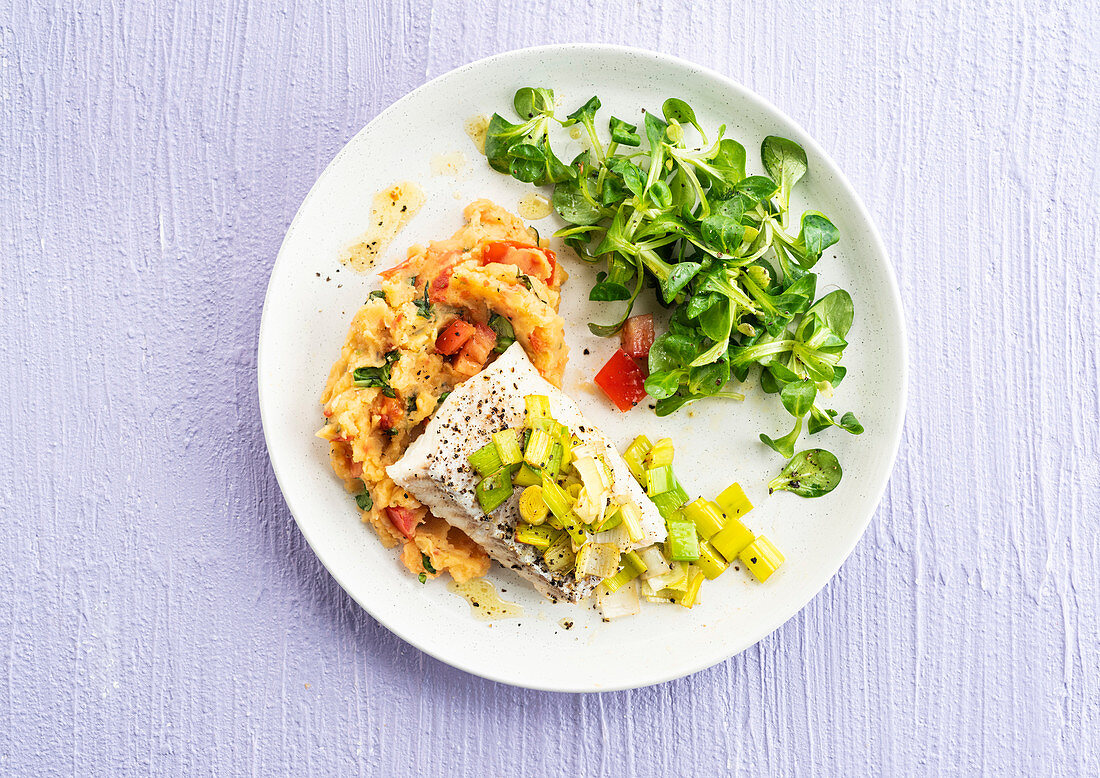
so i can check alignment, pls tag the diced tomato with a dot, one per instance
(405, 520)
(531, 260)
(389, 412)
(453, 337)
(480, 345)
(637, 336)
(622, 381)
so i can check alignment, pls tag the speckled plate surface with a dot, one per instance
(311, 299)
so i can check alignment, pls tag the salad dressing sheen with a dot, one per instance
(485, 603)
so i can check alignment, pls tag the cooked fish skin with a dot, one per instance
(435, 468)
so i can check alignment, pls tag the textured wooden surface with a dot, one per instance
(160, 613)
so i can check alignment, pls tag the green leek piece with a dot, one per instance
(659, 480)
(554, 466)
(527, 476)
(537, 453)
(707, 517)
(761, 558)
(556, 498)
(632, 519)
(733, 502)
(678, 490)
(532, 508)
(567, 442)
(620, 579)
(667, 504)
(710, 561)
(559, 557)
(683, 543)
(507, 443)
(539, 537)
(611, 519)
(493, 490)
(690, 595)
(660, 454)
(635, 455)
(631, 559)
(538, 408)
(486, 460)
(733, 539)
(552, 521)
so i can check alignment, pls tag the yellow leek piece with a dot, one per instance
(762, 558)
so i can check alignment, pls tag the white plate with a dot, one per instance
(306, 317)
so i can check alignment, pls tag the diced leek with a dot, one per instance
(598, 559)
(527, 476)
(706, 515)
(493, 490)
(667, 504)
(710, 561)
(554, 466)
(655, 562)
(733, 502)
(556, 499)
(761, 558)
(675, 578)
(658, 480)
(539, 537)
(621, 602)
(733, 538)
(631, 559)
(552, 521)
(613, 518)
(591, 472)
(690, 594)
(632, 519)
(660, 454)
(566, 442)
(486, 460)
(559, 557)
(531, 505)
(664, 596)
(678, 490)
(537, 453)
(634, 456)
(624, 576)
(617, 537)
(538, 408)
(574, 491)
(683, 543)
(507, 443)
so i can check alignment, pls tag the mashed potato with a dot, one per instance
(410, 344)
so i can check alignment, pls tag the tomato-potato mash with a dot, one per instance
(440, 318)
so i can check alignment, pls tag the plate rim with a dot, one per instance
(877, 245)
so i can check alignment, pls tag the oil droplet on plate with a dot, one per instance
(534, 206)
(475, 127)
(391, 210)
(452, 163)
(485, 603)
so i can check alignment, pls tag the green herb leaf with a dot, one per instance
(364, 500)
(426, 561)
(624, 134)
(811, 473)
(423, 307)
(506, 334)
(376, 377)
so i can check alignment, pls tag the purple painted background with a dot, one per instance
(159, 611)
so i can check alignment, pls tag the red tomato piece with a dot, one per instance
(480, 345)
(389, 412)
(637, 336)
(453, 337)
(531, 260)
(404, 520)
(622, 381)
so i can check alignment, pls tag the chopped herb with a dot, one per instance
(423, 578)
(506, 335)
(427, 562)
(377, 294)
(442, 397)
(524, 279)
(377, 377)
(423, 307)
(364, 500)
(410, 405)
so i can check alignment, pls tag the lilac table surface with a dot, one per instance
(160, 612)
